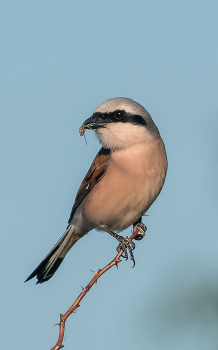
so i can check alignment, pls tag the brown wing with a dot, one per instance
(95, 174)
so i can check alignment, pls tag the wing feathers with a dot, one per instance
(94, 175)
(52, 261)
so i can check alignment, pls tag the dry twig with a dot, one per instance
(85, 290)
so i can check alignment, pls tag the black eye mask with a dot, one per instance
(119, 116)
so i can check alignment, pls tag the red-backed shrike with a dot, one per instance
(123, 181)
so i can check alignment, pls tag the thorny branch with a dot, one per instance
(85, 290)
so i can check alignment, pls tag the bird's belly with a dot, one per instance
(125, 193)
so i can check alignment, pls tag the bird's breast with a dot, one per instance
(132, 182)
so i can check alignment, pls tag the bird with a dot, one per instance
(124, 179)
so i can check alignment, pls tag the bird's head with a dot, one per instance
(121, 122)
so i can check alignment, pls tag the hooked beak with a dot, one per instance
(92, 123)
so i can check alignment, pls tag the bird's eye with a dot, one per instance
(119, 115)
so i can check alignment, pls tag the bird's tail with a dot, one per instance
(52, 261)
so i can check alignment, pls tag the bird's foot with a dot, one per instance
(142, 229)
(127, 245)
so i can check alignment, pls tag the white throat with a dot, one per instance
(117, 136)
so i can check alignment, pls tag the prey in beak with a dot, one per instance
(92, 123)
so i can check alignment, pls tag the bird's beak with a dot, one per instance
(92, 123)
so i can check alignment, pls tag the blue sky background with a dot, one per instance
(58, 61)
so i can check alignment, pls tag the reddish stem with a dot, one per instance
(85, 290)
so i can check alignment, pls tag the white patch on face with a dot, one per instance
(117, 136)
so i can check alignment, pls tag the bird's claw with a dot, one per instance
(126, 244)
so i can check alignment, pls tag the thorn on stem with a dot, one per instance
(116, 262)
(95, 273)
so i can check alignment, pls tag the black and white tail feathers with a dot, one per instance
(46, 269)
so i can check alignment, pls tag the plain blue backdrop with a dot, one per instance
(58, 61)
